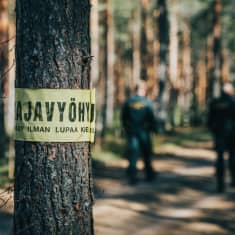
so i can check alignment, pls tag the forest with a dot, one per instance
(70, 160)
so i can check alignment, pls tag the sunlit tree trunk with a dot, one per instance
(53, 182)
(108, 107)
(173, 63)
(94, 26)
(10, 107)
(3, 73)
(174, 43)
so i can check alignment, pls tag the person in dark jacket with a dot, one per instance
(138, 122)
(221, 122)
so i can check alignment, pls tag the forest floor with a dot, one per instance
(181, 201)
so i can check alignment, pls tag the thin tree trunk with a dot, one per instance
(143, 42)
(173, 64)
(156, 47)
(53, 182)
(217, 48)
(186, 72)
(136, 45)
(108, 106)
(94, 25)
(10, 105)
(110, 64)
(209, 69)
(163, 35)
(3, 73)
(174, 43)
(201, 86)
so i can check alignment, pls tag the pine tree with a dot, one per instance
(53, 182)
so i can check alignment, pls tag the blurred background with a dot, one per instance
(185, 51)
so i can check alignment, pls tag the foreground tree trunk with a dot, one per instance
(53, 182)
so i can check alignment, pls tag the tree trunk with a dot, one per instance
(10, 104)
(163, 35)
(209, 69)
(143, 42)
(186, 72)
(53, 182)
(94, 25)
(109, 69)
(217, 48)
(173, 64)
(136, 45)
(110, 63)
(3, 72)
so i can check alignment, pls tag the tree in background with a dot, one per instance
(136, 32)
(143, 43)
(217, 49)
(3, 72)
(10, 104)
(53, 182)
(163, 36)
(94, 29)
(109, 60)
(174, 85)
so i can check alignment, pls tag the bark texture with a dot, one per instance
(53, 182)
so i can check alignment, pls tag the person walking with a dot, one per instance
(138, 122)
(221, 122)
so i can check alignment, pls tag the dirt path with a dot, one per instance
(182, 201)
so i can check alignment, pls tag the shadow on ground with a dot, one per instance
(181, 201)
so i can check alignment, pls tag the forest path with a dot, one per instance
(182, 200)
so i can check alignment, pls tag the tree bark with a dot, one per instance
(53, 181)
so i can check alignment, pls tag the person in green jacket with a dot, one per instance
(138, 121)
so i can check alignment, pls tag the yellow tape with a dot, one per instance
(55, 115)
